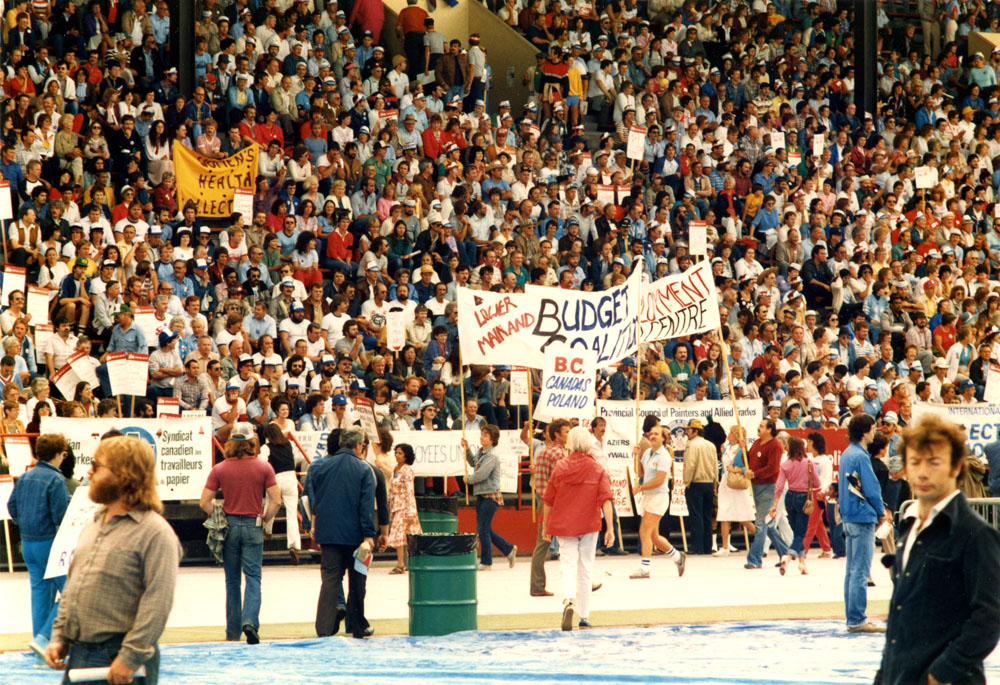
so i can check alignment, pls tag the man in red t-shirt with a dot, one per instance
(244, 480)
(764, 460)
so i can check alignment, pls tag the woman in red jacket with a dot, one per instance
(577, 494)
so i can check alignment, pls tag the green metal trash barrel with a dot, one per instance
(438, 514)
(442, 583)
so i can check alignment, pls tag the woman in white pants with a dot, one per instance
(283, 461)
(578, 493)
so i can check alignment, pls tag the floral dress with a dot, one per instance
(403, 507)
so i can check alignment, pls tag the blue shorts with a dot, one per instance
(572, 100)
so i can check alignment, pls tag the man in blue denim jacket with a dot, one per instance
(861, 511)
(37, 506)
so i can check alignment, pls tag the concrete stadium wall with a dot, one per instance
(509, 54)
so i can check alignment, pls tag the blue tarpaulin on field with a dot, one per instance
(776, 652)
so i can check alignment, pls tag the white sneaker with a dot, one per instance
(641, 572)
(720, 553)
(484, 567)
(732, 549)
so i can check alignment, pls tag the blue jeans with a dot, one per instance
(44, 606)
(101, 654)
(486, 509)
(763, 498)
(799, 521)
(244, 551)
(860, 538)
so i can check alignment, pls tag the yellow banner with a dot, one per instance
(210, 182)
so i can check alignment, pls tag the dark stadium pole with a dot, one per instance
(865, 54)
(182, 43)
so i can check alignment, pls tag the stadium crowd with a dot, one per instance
(844, 288)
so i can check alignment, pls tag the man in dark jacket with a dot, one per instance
(944, 616)
(341, 491)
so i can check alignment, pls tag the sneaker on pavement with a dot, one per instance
(866, 628)
(512, 557)
(720, 553)
(584, 623)
(641, 572)
(681, 563)
(567, 617)
(732, 549)
(484, 567)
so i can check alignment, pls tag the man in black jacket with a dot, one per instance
(944, 616)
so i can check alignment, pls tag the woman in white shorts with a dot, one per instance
(652, 497)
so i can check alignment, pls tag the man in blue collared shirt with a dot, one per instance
(179, 280)
(125, 337)
(37, 506)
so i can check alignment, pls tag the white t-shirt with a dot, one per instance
(334, 327)
(222, 406)
(375, 313)
(295, 331)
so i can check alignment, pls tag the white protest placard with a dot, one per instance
(363, 406)
(586, 161)
(794, 158)
(925, 177)
(168, 406)
(520, 385)
(243, 203)
(636, 143)
(13, 279)
(117, 365)
(778, 139)
(137, 373)
(619, 475)
(79, 513)
(66, 380)
(818, 143)
(568, 384)
(992, 391)
(6, 205)
(182, 448)
(43, 332)
(606, 194)
(437, 453)
(38, 305)
(697, 237)
(678, 500)
(387, 115)
(83, 366)
(395, 329)
(517, 328)
(18, 451)
(683, 304)
(145, 319)
(6, 490)
(510, 451)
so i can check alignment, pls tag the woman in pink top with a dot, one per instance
(797, 472)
